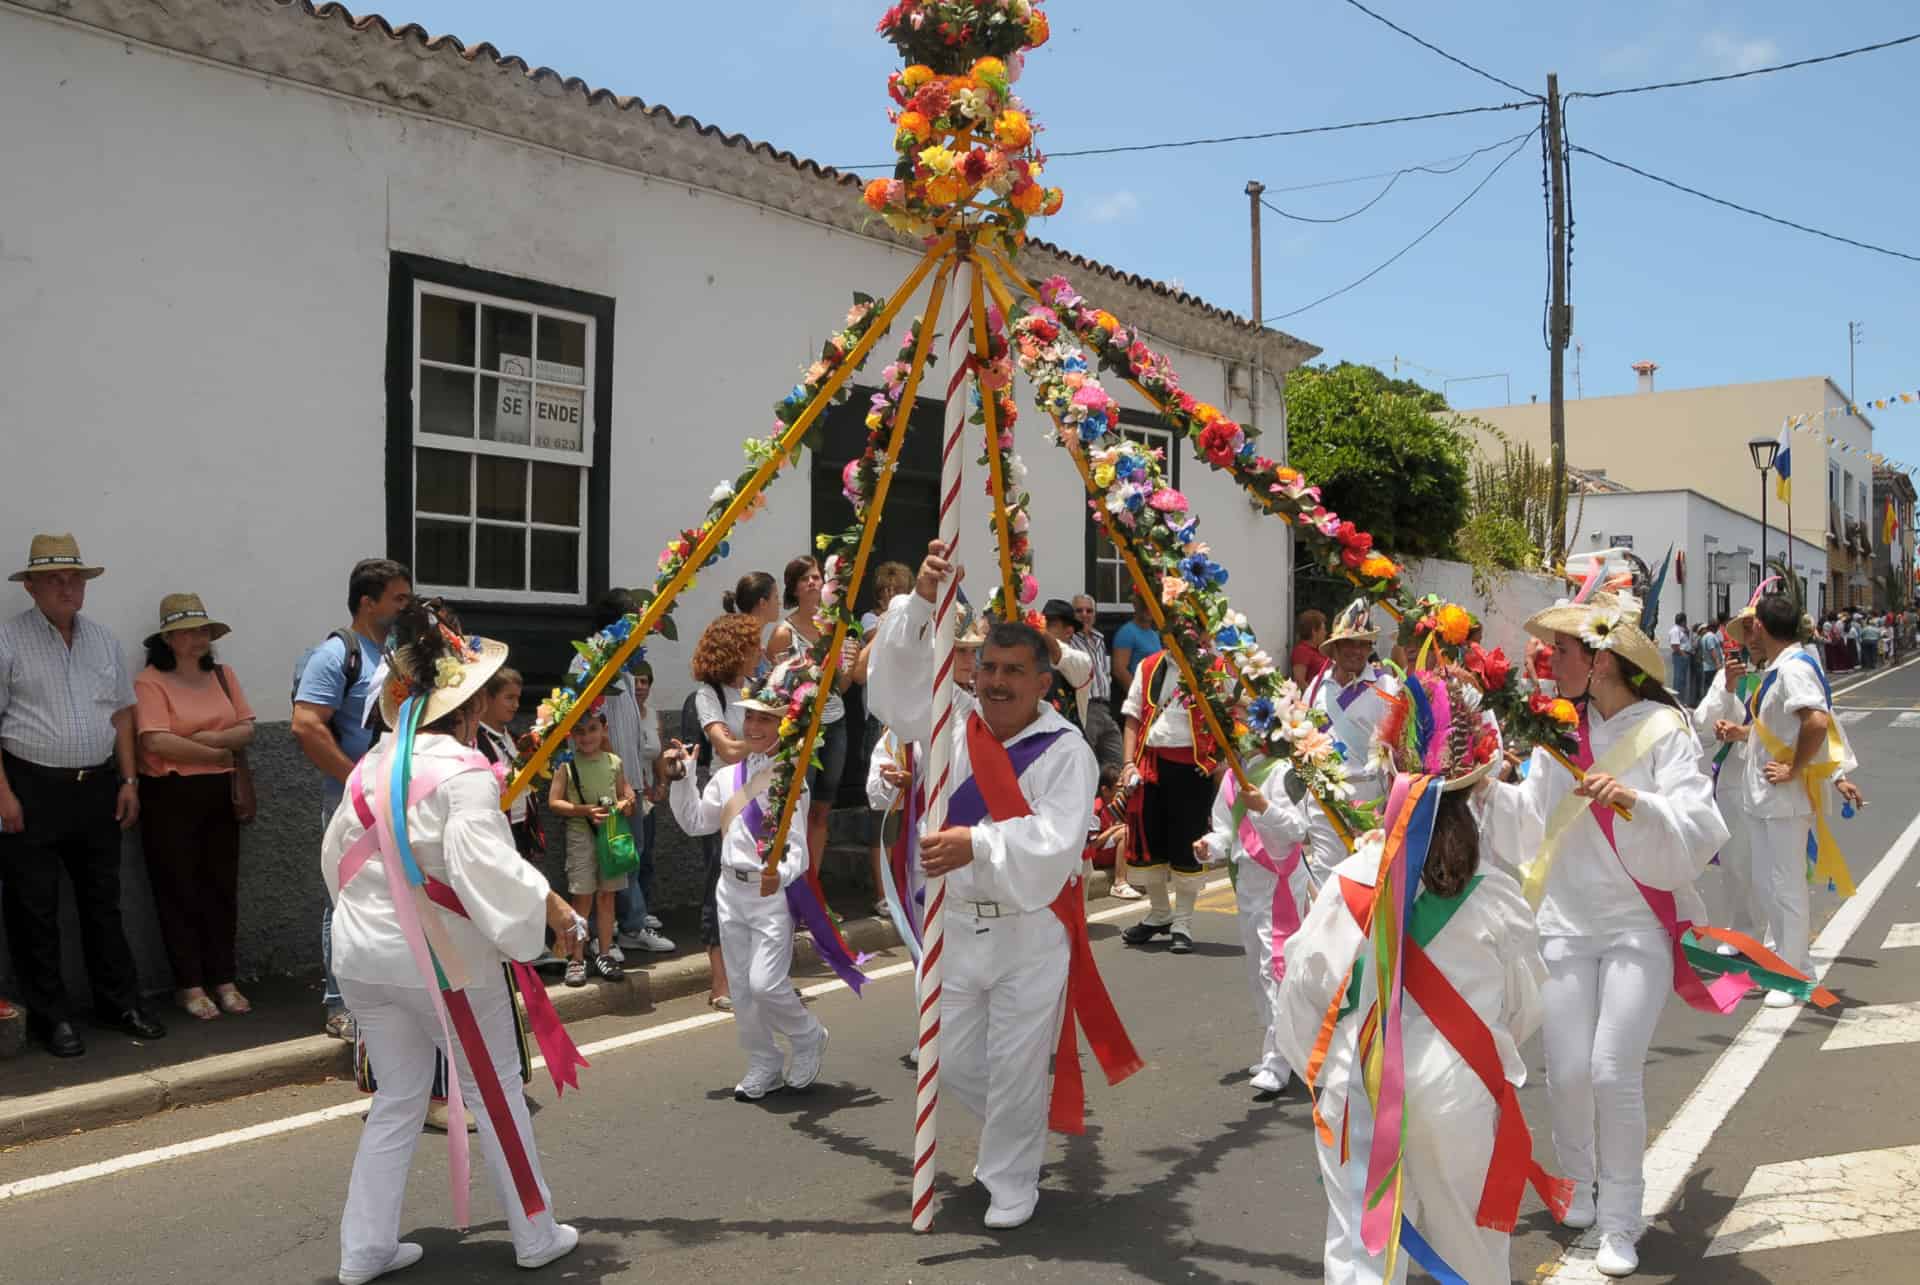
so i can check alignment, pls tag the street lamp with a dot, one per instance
(1763, 450)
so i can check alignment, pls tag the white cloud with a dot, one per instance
(1114, 207)
(1738, 53)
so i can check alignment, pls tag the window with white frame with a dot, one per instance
(503, 426)
(1110, 584)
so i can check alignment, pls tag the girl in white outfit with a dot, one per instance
(1471, 922)
(756, 927)
(461, 841)
(1610, 961)
(1268, 915)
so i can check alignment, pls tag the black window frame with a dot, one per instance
(1106, 618)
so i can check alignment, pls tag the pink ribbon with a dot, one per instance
(1286, 911)
(1379, 1219)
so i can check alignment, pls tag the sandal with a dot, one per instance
(231, 1000)
(1126, 892)
(576, 972)
(340, 1025)
(720, 1003)
(198, 1006)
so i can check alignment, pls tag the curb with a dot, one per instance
(315, 1058)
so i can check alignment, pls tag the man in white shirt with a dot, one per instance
(1011, 899)
(1072, 686)
(1352, 692)
(1795, 745)
(1680, 659)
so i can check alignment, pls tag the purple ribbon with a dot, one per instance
(967, 807)
(1348, 695)
(807, 909)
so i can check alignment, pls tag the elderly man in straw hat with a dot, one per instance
(67, 790)
(1353, 692)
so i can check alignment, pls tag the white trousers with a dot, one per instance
(1253, 896)
(402, 1034)
(1744, 912)
(756, 940)
(1000, 1010)
(1780, 884)
(1603, 998)
(1447, 1155)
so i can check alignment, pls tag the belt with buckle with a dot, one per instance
(984, 909)
(744, 876)
(60, 775)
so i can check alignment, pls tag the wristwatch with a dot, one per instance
(125, 781)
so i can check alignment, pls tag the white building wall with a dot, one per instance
(193, 285)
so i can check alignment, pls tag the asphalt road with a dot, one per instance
(1181, 1176)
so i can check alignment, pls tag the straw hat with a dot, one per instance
(56, 553)
(180, 611)
(459, 674)
(969, 628)
(1604, 622)
(1354, 621)
(775, 695)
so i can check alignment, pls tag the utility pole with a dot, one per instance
(1558, 327)
(1854, 332)
(1254, 189)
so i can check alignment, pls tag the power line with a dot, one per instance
(1429, 45)
(1758, 214)
(1247, 138)
(1392, 178)
(1439, 166)
(1741, 75)
(1432, 228)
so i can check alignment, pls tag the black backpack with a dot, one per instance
(694, 733)
(350, 670)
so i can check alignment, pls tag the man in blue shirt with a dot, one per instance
(1133, 642)
(329, 699)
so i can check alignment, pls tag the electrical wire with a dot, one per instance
(1399, 254)
(1245, 138)
(1439, 166)
(1758, 214)
(1742, 75)
(1429, 45)
(1394, 177)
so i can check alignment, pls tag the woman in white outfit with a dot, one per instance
(1471, 922)
(460, 841)
(1610, 960)
(1276, 826)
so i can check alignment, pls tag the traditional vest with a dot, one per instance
(1204, 754)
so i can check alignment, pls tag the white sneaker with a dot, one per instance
(406, 1254)
(1254, 1068)
(617, 955)
(1580, 1215)
(756, 1086)
(1780, 999)
(1265, 1081)
(913, 1057)
(653, 921)
(563, 1244)
(806, 1064)
(1617, 1256)
(653, 941)
(1001, 1219)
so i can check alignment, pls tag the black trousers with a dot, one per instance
(1174, 812)
(70, 827)
(192, 844)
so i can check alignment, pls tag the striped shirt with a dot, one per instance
(57, 702)
(1094, 643)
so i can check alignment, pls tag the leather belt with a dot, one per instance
(17, 766)
(985, 909)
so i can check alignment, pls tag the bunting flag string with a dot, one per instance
(1811, 422)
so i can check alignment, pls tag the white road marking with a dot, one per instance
(1845, 687)
(1900, 936)
(305, 1120)
(1808, 1202)
(1848, 717)
(1874, 1026)
(1909, 718)
(1673, 1155)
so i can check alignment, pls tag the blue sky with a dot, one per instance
(1712, 295)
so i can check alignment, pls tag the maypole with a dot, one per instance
(926, 1100)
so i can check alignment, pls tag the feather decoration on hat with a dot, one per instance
(1602, 569)
(1650, 613)
(1441, 739)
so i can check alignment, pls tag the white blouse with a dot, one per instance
(459, 835)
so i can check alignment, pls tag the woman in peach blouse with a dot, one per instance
(192, 719)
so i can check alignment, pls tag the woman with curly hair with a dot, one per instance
(723, 660)
(794, 638)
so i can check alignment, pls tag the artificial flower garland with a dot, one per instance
(1133, 501)
(994, 378)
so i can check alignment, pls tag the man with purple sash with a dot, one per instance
(756, 930)
(1006, 952)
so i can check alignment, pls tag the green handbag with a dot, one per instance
(614, 845)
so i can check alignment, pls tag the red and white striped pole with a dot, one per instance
(926, 1099)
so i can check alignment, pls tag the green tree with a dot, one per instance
(1383, 458)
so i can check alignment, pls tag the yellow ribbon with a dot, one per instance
(1828, 862)
(1624, 754)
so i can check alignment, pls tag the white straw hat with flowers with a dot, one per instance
(969, 628)
(56, 553)
(442, 665)
(775, 693)
(1354, 621)
(179, 611)
(1604, 622)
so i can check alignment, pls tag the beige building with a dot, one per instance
(1696, 439)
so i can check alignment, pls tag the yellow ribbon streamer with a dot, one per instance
(1829, 862)
(1623, 755)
